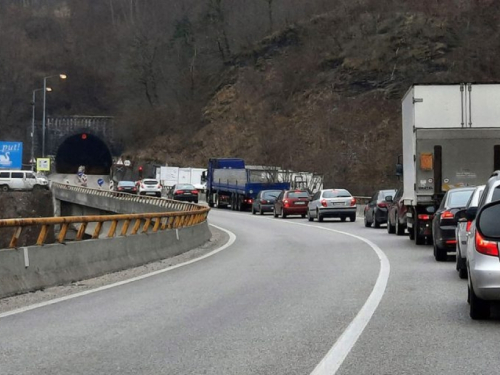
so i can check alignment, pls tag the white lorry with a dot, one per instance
(170, 176)
(451, 138)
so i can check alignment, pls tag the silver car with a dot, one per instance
(483, 264)
(461, 231)
(332, 203)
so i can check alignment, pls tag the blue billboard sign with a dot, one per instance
(11, 155)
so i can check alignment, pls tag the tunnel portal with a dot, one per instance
(83, 149)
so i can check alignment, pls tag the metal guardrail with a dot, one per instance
(185, 215)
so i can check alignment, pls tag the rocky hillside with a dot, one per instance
(325, 95)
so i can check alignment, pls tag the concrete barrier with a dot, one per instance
(36, 267)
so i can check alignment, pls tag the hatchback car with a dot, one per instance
(376, 210)
(483, 262)
(264, 202)
(149, 186)
(184, 192)
(461, 232)
(396, 214)
(332, 203)
(445, 221)
(126, 187)
(291, 202)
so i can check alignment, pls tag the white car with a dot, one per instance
(332, 203)
(21, 180)
(149, 186)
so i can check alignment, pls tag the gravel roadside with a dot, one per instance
(218, 239)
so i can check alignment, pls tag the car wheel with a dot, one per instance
(390, 228)
(462, 273)
(352, 218)
(253, 210)
(158, 195)
(318, 216)
(5, 188)
(343, 219)
(283, 215)
(309, 217)
(479, 308)
(400, 229)
(260, 211)
(439, 254)
(368, 224)
(376, 224)
(275, 212)
(303, 215)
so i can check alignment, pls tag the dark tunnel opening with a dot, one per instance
(83, 149)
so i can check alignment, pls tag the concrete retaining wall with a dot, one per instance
(57, 264)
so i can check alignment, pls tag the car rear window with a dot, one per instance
(337, 193)
(271, 194)
(186, 187)
(474, 199)
(458, 198)
(298, 194)
(126, 183)
(387, 193)
(496, 194)
(151, 182)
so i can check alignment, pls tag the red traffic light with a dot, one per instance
(84, 136)
(140, 169)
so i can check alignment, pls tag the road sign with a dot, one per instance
(127, 163)
(43, 165)
(11, 155)
(100, 182)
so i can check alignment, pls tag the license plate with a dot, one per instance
(187, 193)
(339, 204)
(300, 202)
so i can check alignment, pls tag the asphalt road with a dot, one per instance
(273, 303)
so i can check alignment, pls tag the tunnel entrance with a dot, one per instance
(83, 149)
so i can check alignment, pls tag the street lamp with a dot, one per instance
(62, 76)
(33, 123)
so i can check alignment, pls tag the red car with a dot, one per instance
(396, 218)
(291, 202)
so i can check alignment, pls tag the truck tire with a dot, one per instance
(419, 240)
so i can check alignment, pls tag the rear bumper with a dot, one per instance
(381, 215)
(445, 238)
(338, 212)
(186, 198)
(485, 276)
(301, 210)
(150, 192)
(266, 207)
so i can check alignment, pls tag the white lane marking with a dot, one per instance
(332, 361)
(232, 238)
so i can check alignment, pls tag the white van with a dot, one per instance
(21, 180)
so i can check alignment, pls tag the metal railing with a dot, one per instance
(185, 215)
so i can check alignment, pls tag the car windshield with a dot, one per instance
(185, 187)
(337, 193)
(150, 182)
(126, 183)
(387, 193)
(298, 194)
(270, 194)
(458, 198)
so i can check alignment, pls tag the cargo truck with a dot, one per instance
(451, 138)
(230, 183)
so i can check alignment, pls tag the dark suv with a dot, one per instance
(396, 215)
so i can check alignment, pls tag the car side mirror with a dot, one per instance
(471, 213)
(388, 199)
(487, 221)
(399, 169)
(461, 216)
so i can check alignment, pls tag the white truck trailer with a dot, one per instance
(451, 138)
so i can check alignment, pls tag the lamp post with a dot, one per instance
(33, 122)
(62, 76)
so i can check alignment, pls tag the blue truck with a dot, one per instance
(230, 183)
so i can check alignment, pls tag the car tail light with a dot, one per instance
(486, 247)
(120, 188)
(382, 205)
(263, 201)
(424, 217)
(143, 186)
(353, 201)
(447, 215)
(179, 192)
(159, 186)
(194, 191)
(324, 203)
(467, 228)
(451, 242)
(287, 204)
(134, 189)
